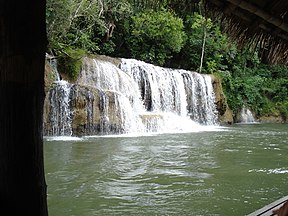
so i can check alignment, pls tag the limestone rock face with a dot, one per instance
(272, 118)
(93, 111)
(90, 111)
(78, 109)
(50, 76)
(224, 112)
(84, 102)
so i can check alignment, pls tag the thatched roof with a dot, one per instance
(255, 22)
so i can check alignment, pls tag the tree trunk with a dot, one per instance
(203, 45)
(22, 58)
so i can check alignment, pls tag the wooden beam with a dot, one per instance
(261, 13)
(229, 9)
(273, 31)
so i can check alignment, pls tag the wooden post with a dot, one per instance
(22, 58)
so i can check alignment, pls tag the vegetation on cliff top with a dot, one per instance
(170, 34)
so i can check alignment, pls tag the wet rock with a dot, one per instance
(224, 112)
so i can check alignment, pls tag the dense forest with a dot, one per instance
(175, 34)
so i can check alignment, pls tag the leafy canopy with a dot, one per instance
(168, 33)
(156, 35)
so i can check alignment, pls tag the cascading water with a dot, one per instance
(177, 92)
(162, 89)
(60, 112)
(119, 101)
(200, 98)
(134, 97)
(246, 116)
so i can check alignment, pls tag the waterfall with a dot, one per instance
(183, 93)
(57, 116)
(246, 116)
(162, 89)
(120, 102)
(130, 97)
(60, 112)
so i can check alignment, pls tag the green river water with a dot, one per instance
(228, 171)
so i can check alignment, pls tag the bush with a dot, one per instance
(262, 88)
(69, 62)
(283, 108)
(155, 35)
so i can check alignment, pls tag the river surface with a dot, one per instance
(228, 171)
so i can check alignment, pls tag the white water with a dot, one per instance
(246, 116)
(125, 95)
(186, 94)
(60, 111)
(59, 101)
(139, 98)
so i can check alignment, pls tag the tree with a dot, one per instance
(72, 23)
(22, 58)
(156, 35)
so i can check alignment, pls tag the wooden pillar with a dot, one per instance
(22, 58)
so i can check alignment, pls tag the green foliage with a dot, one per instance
(165, 33)
(69, 62)
(283, 109)
(84, 24)
(217, 46)
(57, 22)
(262, 88)
(156, 35)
